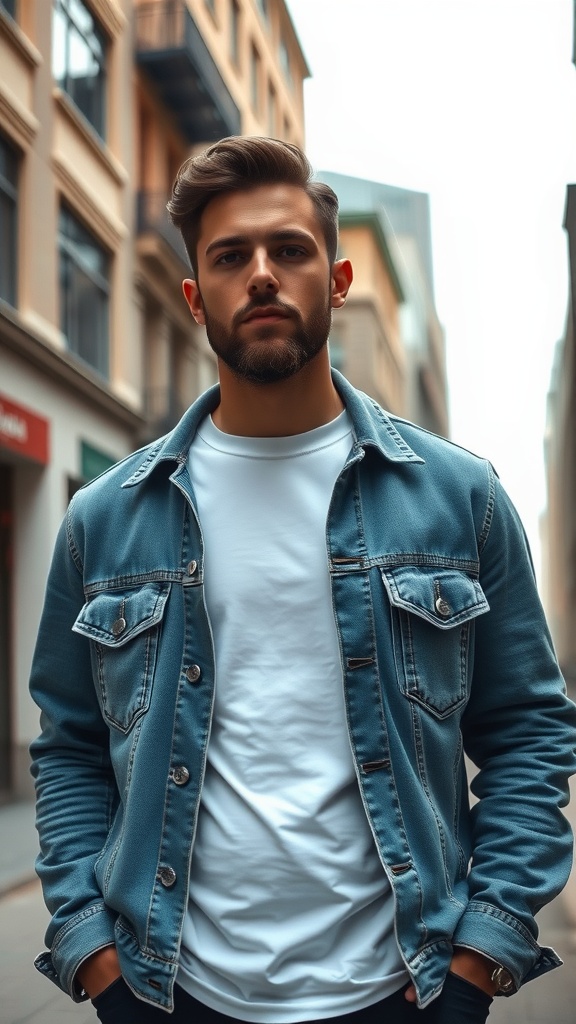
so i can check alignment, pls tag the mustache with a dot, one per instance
(264, 303)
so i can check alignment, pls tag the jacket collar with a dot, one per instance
(372, 427)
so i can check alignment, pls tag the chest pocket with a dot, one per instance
(124, 627)
(432, 615)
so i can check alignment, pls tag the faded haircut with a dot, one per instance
(240, 163)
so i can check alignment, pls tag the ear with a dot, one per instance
(341, 280)
(194, 300)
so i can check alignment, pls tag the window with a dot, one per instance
(271, 110)
(84, 292)
(79, 59)
(262, 6)
(284, 55)
(9, 6)
(255, 78)
(235, 31)
(9, 161)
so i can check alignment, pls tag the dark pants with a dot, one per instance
(460, 1003)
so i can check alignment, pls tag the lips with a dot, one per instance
(265, 313)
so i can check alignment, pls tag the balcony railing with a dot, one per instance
(171, 50)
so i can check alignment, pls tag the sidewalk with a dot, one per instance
(18, 847)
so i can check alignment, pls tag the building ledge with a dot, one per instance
(63, 368)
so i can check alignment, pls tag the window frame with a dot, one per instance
(9, 194)
(235, 18)
(255, 70)
(10, 7)
(97, 94)
(73, 271)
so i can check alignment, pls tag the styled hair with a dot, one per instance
(240, 163)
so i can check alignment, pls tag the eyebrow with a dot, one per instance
(283, 235)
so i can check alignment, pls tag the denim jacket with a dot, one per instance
(444, 652)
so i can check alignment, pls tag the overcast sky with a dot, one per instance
(473, 101)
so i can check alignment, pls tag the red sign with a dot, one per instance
(23, 432)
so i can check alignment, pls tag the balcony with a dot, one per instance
(170, 49)
(152, 219)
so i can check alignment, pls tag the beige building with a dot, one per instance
(365, 342)
(389, 340)
(100, 101)
(559, 525)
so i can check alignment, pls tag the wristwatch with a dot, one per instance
(503, 979)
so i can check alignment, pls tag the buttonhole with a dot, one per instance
(353, 663)
(373, 766)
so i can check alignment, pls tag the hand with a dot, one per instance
(470, 965)
(474, 967)
(99, 971)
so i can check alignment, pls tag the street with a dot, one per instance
(27, 998)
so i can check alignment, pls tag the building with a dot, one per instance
(559, 527)
(395, 351)
(100, 101)
(558, 524)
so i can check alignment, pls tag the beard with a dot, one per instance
(268, 358)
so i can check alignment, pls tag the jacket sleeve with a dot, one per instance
(76, 793)
(519, 731)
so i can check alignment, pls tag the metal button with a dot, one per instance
(191, 567)
(167, 876)
(118, 626)
(193, 673)
(180, 775)
(442, 607)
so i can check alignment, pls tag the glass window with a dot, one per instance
(9, 161)
(234, 31)
(84, 292)
(271, 110)
(255, 78)
(285, 61)
(262, 6)
(79, 59)
(9, 6)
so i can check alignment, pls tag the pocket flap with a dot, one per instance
(115, 617)
(444, 597)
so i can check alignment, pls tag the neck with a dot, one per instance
(303, 402)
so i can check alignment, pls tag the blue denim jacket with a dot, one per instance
(444, 651)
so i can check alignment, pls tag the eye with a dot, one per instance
(228, 259)
(292, 251)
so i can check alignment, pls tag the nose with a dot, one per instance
(262, 277)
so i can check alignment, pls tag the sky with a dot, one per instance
(474, 102)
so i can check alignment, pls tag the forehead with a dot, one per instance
(258, 211)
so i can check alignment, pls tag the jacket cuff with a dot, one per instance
(83, 935)
(505, 940)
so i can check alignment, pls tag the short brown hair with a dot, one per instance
(241, 163)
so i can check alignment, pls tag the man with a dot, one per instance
(268, 639)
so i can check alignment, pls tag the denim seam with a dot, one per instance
(488, 516)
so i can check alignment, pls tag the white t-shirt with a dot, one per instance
(290, 913)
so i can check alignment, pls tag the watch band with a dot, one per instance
(503, 979)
